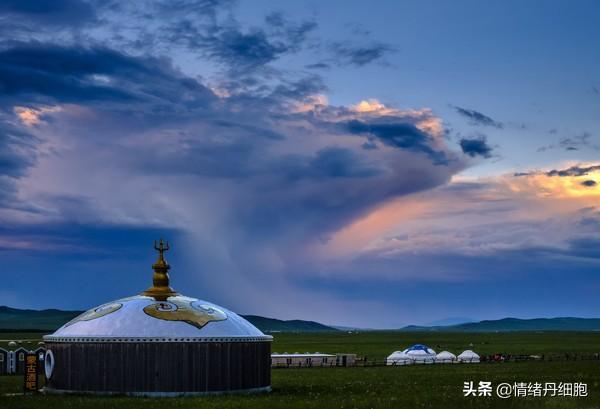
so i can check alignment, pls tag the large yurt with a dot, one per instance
(421, 354)
(398, 358)
(158, 343)
(468, 356)
(445, 357)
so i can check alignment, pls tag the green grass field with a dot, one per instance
(378, 345)
(431, 386)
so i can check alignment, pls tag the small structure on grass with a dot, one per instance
(468, 356)
(19, 355)
(302, 360)
(421, 354)
(398, 358)
(345, 359)
(445, 357)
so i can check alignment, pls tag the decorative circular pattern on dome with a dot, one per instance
(101, 311)
(190, 312)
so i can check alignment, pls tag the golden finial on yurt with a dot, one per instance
(160, 289)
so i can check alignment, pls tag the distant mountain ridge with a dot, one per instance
(275, 325)
(50, 320)
(516, 324)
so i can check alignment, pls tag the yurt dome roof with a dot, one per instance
(468, 354)
(419, 349)
(158, 314)
(399, 355)
(446, 355)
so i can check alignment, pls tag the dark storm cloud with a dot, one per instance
(369, 145)
(477, 118)
(241, 50)
(248, 49)
(61, 238)
(589, 183)
(192, 7)
(328, 163)
(242, 160)
(402, 135)
(38, 72)
(299, 89)
(17, 151)
(579, 142)
(247, 176)
(17, 155)
(318, 66)
(573, 171)
(52, 13)
(476, 147)
(357, 55)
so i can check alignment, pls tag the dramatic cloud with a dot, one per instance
(476, 147)
(574, 171)
(249, 178)
(359, 55)
(239, 49)
(400, 135)
(36, 72)
(58, 12)
(488, 218)
(580, 142)
(121, 123)
(477, 118)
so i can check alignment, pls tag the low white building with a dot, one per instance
(306, 359)
(345, 359)
(468, 356)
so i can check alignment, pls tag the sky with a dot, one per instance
(358, 164)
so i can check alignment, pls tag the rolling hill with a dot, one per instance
(49, 320)
(516, 324)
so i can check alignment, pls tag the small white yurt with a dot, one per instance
(421, 354)
(445, 357)
(468, 356)
(398, 358)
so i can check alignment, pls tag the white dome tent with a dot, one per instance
(146, 333)
(468, 356)
(445, 357)
(398, 358)
(421, 354)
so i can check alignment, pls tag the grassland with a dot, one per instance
(378, 345)
(431, 386)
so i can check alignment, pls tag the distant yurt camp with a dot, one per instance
(421, 354)
(445, 357)
(158, 343)
(468, 356)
